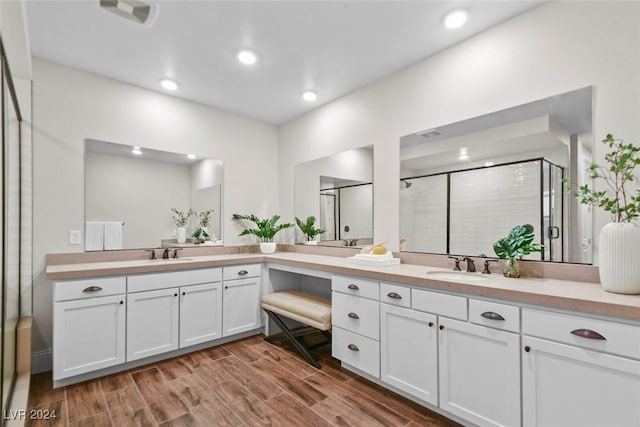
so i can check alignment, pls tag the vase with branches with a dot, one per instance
(619, 241)
(181, 219)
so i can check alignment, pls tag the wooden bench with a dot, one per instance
(312, 311)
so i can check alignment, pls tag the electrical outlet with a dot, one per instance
(75, 237)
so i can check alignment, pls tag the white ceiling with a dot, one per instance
(330, 47)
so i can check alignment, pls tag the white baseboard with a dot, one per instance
(41, 361)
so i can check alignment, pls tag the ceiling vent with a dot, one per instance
(429, 133)
(134, 10)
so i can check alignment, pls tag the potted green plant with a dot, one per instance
(265, 230)
(181, 219)
(201, 234)
(309, 230)
(619, 241)
(514, 246)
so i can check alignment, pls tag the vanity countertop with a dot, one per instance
(563, 294)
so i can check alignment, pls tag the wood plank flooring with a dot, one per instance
(245, 383)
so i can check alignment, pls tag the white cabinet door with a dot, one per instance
(88, 335)
(479, 373)
(152, 323)
(200, 313)
(409, 351)
(567, 386)
(241, 306)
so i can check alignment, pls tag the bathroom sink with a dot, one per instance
(160, 261)
(457, 275)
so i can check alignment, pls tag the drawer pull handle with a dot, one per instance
(353, 287)
(243, 273)
(353, 347)
(491, 315)
(394, 295)
(92, 289)
(588, 333)
(430, 324)
(353, 315)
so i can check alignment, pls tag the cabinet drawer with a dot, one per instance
(396, 295)
(351, 285)
(355, 350)
(619, 338)
(437, 303)
(356, 314)
(89, 288)
(494, 315)
(241, 271)
(170, 279)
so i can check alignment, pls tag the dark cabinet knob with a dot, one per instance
(527, 348)
(430, 324)
(121, 302)
(441, 327)
(184, 293)
(175, 295)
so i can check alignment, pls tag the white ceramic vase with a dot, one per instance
(267, 247)
(181, 235)
(618, 258)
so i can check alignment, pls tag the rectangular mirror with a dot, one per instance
(465, 185)
(338, 191)
(139, 188)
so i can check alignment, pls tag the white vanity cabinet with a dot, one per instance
(409, 351)
(578, 371)
(88, 325)
(241, 298)
(167, 311)
(355, 315)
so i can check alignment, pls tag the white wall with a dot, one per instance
(70, 105)
(551, 49)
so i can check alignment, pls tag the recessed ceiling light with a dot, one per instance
(455, 18)
(309, 96)
(136, 151)
(191, 156)
(464, 154)
(488, 164)
(169, 84)
(247, 57)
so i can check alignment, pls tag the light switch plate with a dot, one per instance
(75, 237)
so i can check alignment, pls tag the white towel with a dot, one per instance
(113, 235)
(94, 236)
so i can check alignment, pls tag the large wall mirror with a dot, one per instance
(465, 185)
(138, 187)
(338, 191)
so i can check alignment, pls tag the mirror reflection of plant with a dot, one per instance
(308, 229)
(180, 217)
(618, 198)
(205, 217)
(200, 235)
(265, 229)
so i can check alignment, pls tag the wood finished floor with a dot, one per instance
(244, 383)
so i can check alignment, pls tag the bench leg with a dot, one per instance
(287, 333)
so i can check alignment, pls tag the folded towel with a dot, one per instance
(113, 235)
(94, 236)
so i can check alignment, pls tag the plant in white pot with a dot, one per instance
(180, 220)
(309, 230)
(619, 241)
(265, 230)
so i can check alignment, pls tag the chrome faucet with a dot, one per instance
(165, 254)
(153, 253)
(471, 267)
(175, 252)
